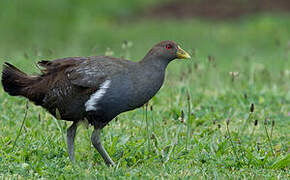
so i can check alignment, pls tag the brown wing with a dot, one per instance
(87, 72)
(94, 70)
(59, 65)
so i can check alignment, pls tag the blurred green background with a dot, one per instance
(241, 52)
(50, 29)
(65, 25)
(69, 28)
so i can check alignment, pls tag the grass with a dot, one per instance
(200, 125)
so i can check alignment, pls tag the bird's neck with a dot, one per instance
(153, 62)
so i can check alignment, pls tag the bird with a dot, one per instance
(95, 89)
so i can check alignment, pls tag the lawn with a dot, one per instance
(222, 114)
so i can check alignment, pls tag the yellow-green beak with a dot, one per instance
(181, 54)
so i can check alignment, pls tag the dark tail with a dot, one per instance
(17, 83)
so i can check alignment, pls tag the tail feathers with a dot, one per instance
(17, 83)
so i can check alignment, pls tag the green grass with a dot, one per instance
(257, 48)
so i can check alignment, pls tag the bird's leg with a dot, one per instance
(71, 133)
(96, 140)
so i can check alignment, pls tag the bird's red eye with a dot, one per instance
(168, 46)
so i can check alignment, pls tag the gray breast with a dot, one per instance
(125, 92)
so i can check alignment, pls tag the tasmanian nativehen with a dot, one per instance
(95, 89)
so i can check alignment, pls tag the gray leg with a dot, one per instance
(71, 133)
(96, 140)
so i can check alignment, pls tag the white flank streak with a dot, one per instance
(93, 101)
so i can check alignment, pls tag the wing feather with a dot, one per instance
(95, 70)
(88, 72)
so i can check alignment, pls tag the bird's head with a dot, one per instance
(167, 51)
